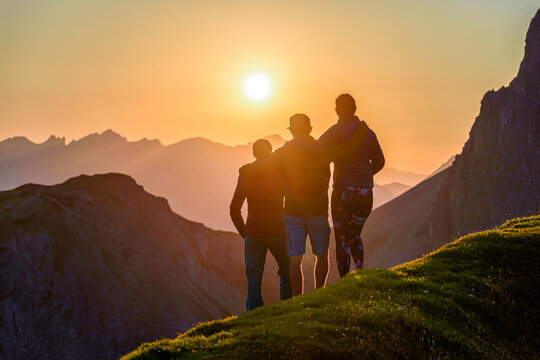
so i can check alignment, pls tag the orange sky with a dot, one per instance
(174, 69)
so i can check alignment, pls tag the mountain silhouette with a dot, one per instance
(196, 175)
(92, 267)
(495, 177)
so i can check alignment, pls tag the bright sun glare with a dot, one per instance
(257, 87)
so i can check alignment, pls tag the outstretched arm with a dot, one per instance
(321, 147)
(235, 209)
(331, 146)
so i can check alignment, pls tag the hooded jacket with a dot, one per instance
(355, 168)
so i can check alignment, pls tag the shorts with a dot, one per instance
(297, 230)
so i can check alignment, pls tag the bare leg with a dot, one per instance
(321, 270)
(297, 277)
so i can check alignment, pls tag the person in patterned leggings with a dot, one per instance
(357, 156)
(350, 210)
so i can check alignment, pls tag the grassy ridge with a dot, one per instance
(474, 298)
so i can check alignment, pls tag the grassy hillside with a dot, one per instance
(474, 298)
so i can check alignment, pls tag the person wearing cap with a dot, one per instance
(264, 228)
(305, 181)
(359, 158)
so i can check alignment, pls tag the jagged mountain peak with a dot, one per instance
(530, 66)
(109, 136)
(494, 178)
(55, 141)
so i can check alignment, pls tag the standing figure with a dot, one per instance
(263, 229)
(357, 156)
(305, 182)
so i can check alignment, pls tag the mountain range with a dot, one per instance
(495, 177)
(196, 175)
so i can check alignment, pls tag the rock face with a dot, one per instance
(92, 267)
(498, 172)
(496, 177)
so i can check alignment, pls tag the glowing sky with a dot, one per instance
(176, 69)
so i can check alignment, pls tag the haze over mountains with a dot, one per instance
(495, 177)
(197, 176)
(92, 267)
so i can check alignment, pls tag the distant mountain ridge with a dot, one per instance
(495, 177)
(196, 175)
(91, 267)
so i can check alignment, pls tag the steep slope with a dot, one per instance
(475, 298)
(444, 166)
(392, 231)
(494, 178)
(92, 267)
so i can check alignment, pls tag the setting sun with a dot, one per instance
(257, 87)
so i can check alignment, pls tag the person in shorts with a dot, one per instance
(305, 182)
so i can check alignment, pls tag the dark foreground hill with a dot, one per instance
(496, 176)
(92, 267)
(476, 298)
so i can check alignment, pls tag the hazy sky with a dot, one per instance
(175, 69)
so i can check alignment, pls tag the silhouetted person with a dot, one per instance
(354, 167)
(305, 180)
(264, 228)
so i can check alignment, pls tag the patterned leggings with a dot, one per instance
(350, 210)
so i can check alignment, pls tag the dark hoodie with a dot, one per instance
(355, 169)
(259, 183)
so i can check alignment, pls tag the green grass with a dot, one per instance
(476, 297)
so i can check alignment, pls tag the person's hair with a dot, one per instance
(299, 125)
(345, 105)
(262, 148)
(300, 119)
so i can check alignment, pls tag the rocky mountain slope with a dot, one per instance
(197, 175)
(495, 177)
(475, 298)
(94, 266)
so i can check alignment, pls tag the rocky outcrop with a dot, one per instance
(496, 177)
(92, 267)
